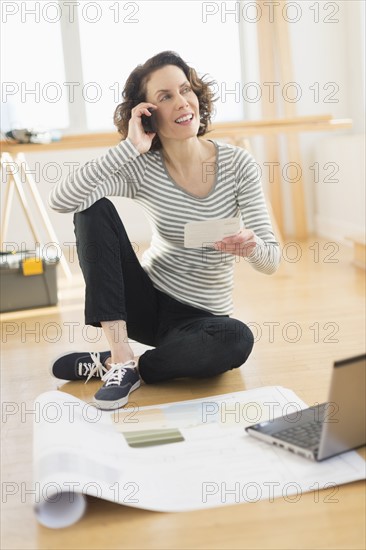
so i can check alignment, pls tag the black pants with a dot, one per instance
(189, 342)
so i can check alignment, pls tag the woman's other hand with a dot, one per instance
(136, 133)
(241, 244)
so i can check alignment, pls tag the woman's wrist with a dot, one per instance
(134, 145)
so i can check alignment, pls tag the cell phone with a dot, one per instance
(149, 122)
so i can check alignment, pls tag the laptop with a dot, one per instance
(327, 429)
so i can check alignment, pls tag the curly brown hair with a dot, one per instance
(134, 93)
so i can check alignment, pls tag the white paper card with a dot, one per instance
(205, 233)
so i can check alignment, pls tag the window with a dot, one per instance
(64, 63)
(32, 67)
(117, 36)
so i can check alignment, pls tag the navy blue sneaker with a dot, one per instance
(80, 365)
(120, 381)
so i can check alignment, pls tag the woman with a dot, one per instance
(178, 299)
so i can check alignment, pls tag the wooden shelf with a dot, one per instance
(311, 123)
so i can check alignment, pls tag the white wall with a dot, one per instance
(340, 204)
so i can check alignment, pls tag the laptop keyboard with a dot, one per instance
(306, 435)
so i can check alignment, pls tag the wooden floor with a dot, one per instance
(310, 313)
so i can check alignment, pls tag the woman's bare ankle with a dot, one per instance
(109, 361)
(116, 334)
(120, 358)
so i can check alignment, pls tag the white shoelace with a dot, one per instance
(115, 374)
(95, 367)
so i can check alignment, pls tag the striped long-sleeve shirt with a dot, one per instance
(203, 277)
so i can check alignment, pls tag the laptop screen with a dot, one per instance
(344, 424)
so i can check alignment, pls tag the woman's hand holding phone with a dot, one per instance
(136, 132)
